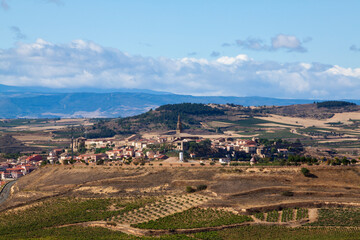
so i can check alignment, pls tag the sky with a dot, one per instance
(285, 49)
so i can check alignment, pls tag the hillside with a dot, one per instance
(194, 116)
(321, 110)
(105, 202)
(8, 144)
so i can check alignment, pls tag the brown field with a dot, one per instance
(219, 124)
(309, 122)
(33, 137)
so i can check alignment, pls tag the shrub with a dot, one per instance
(189, 189)
(287, 193)
(212, 163)
(305, 172)
(260, 216)
(201, 187)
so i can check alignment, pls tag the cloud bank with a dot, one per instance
(86, 64)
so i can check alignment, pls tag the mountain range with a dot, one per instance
(41, 102)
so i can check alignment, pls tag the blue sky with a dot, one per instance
(307, 49)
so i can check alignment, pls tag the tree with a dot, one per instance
(82, 148)
(305, 172)
(345, 161)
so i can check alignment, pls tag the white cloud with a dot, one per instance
(286, 41)
(86, 64)
(340, 71)
(231, 60)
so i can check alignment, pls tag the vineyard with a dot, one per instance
(272, 216)
(244, 232)
(260, 216)
(302, 213)
(338, 217)
(195, 218)
(159, 209)
(63, 211)
(279, 232)
(286, 215)
(42, 221)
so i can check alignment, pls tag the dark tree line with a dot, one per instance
(334, 104)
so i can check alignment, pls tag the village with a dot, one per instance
(171, 147)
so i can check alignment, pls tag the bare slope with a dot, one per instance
(237, 187)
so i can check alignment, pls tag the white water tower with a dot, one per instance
(181, 156)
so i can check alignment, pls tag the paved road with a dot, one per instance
(4, 194)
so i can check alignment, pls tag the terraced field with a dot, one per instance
(284, 216)
(168, 206)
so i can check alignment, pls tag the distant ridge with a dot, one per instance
(40, 102)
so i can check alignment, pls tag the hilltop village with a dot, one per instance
(179, 146)
(171, 147)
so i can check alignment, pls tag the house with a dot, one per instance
(139, 154)
(114, 154)
(283, 151)
(6, 176)
(150, 154)
(52, 158)
(16, 172)
(91, 157)
(129, 152)
(34, 158)
(22, 159)
(57, 151)
(249, 148)
(224, 160)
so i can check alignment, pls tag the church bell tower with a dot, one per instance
(179, 126)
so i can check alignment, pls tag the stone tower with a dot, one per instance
(179, 126)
